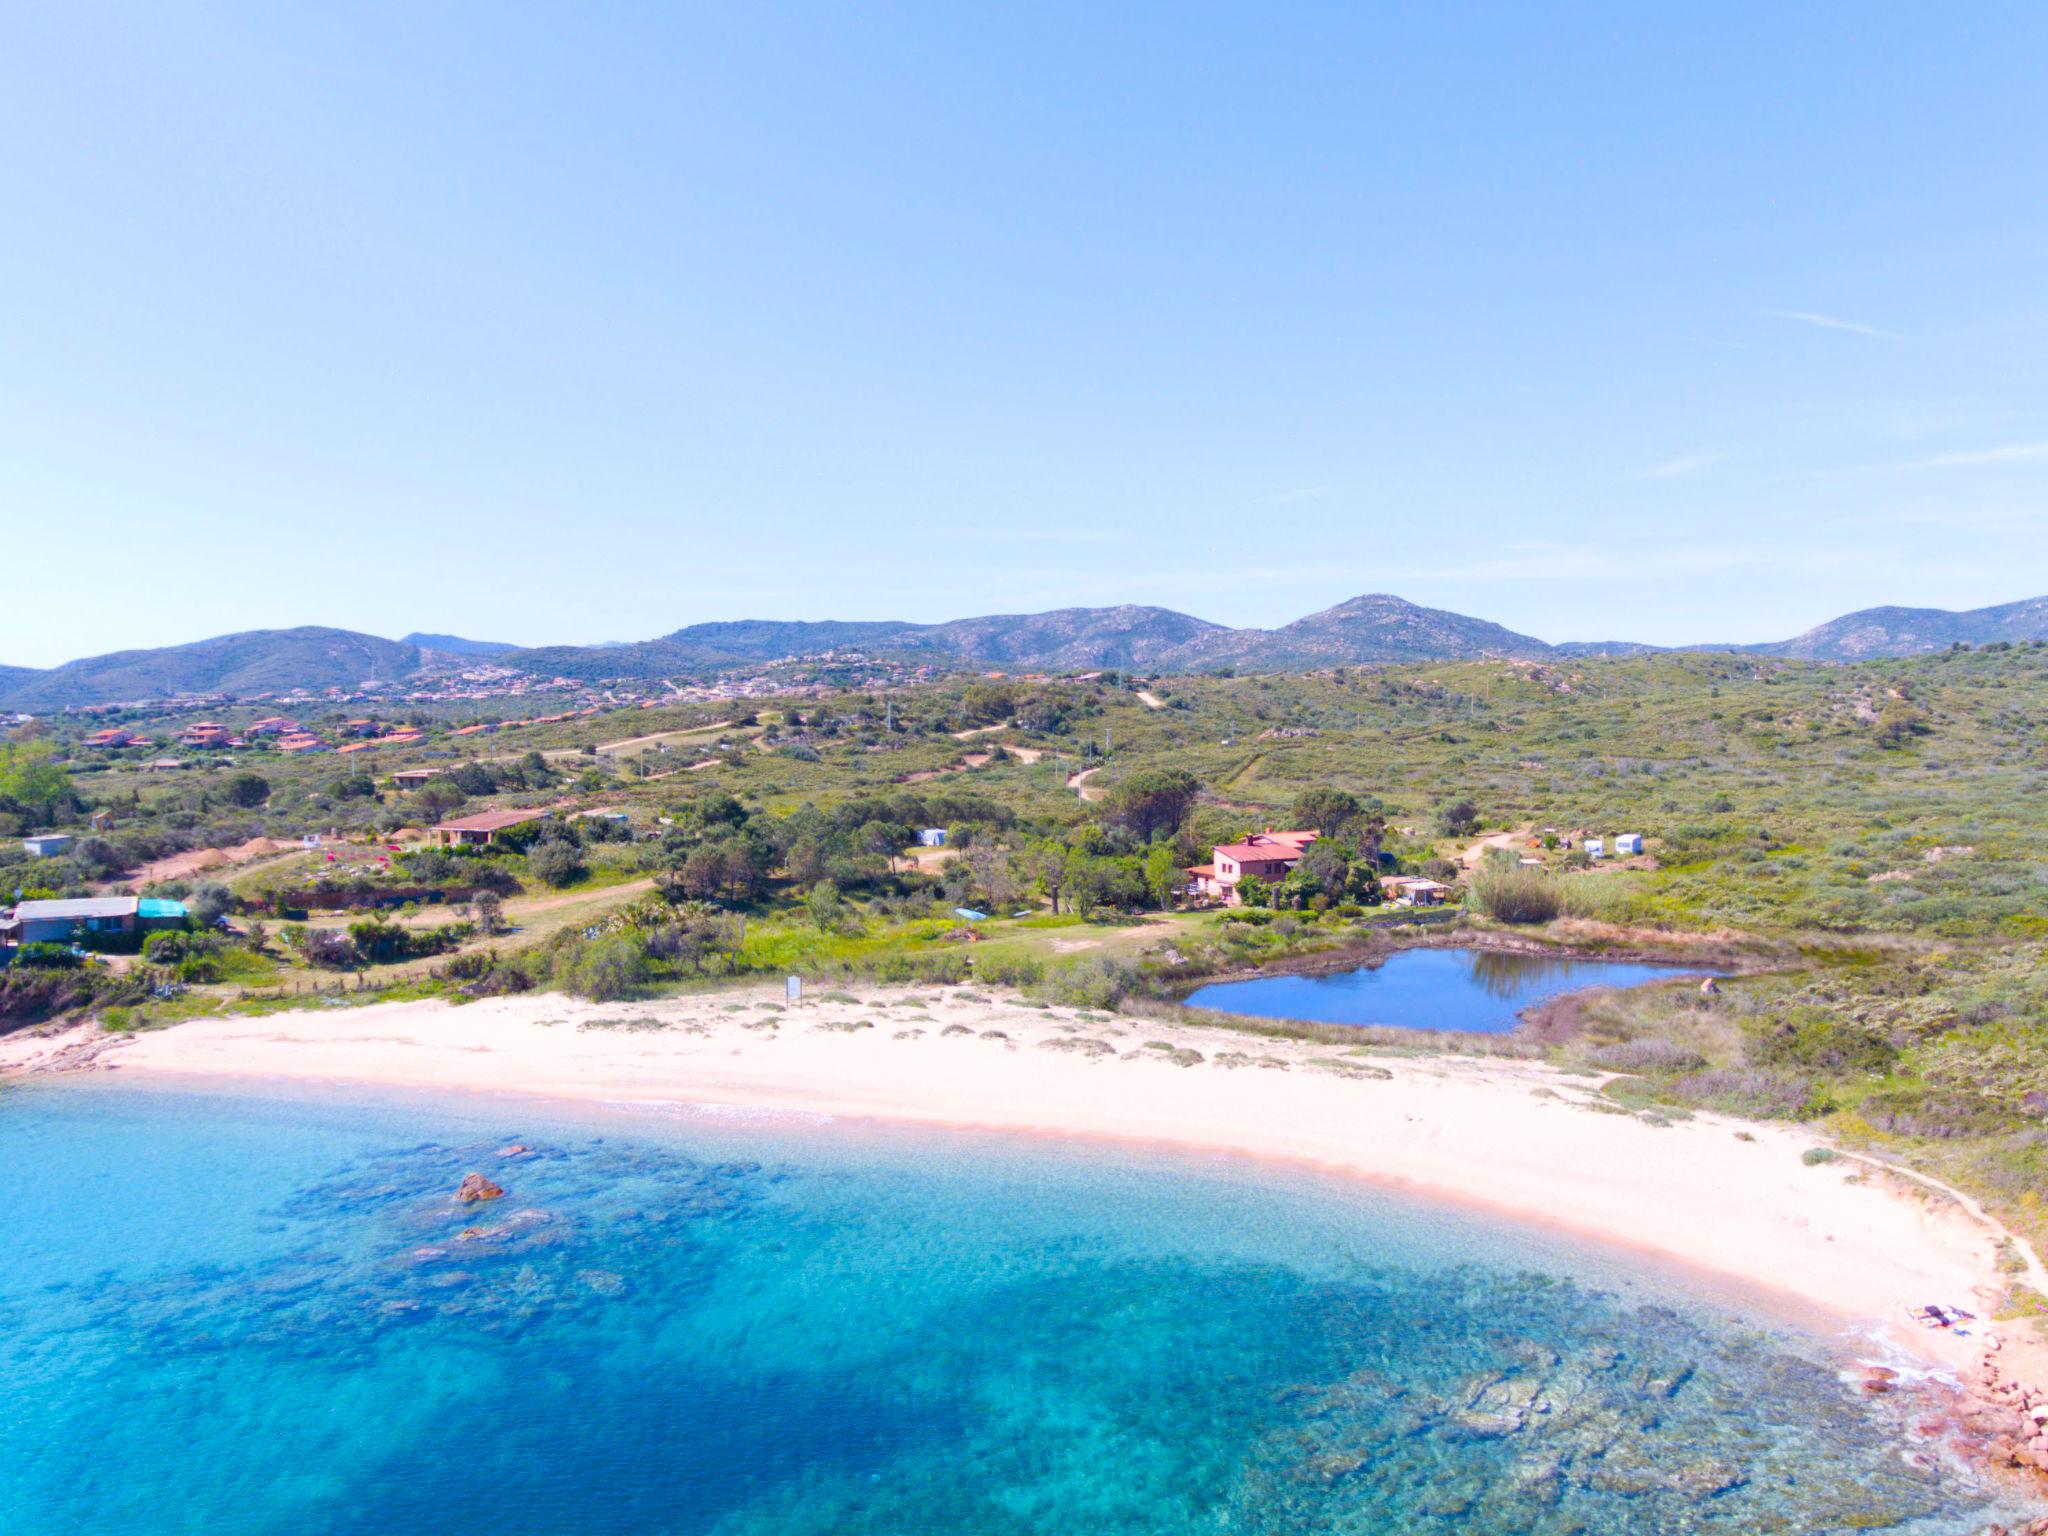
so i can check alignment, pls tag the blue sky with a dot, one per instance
(567, 324)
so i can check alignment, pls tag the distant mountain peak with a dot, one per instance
(456, 645)
(1372, 628)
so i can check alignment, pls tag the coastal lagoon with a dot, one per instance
(1481, 991)
(263, 1311)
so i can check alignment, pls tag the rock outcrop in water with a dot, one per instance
(475, 1187)
(1658, 1426)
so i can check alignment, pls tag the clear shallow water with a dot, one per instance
(232, 1315)
(1463, 989)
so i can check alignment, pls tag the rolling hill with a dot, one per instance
(1375, 628)
(1913, 631)
(255, 661)
(455, 645)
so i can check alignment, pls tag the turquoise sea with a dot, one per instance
(233, 1312)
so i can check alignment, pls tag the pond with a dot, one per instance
(1477, 990)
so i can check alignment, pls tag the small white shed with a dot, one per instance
(932, 837)
(46, 845)
(1629, 842)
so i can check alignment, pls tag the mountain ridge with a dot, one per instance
(456, 645)
(1374, 628)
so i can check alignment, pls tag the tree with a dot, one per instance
(437, 799)
(31, 780)
(1324, 870)
(886, 838)
(994, 873)
(1152, 801)
(487, 909)
(1163, 874)
(1254, 892)
(208, 903)
(1325, 809)
(1087, 882)
(248, 790)
(1047, 863)
(1459, 818)
(825, 907)
(805, 861)
(556, 861)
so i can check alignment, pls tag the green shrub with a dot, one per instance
(1515, 893)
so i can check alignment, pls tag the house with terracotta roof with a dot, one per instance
(275, 725)
(205, 733)
(485, 827)
(300, 742)
(112, 740)
(1266, 856)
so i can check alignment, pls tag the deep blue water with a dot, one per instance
(237, 1315)
(1463, 989)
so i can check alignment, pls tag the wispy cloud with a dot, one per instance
(1676, 469)
(1832, 323)
(1970, 458)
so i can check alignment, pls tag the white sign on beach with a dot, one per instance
(793, 988)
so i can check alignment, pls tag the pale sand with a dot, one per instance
(1839, 1241)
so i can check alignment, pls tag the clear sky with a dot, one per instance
(574, 323)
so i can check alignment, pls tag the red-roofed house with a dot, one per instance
(1266, 856)
(276, 725)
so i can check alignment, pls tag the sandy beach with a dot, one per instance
(1842, 1240)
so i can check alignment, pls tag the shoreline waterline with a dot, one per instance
(1513, 1137)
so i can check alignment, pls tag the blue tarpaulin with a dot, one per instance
(970, 914)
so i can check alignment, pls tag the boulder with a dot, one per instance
(475, 1187)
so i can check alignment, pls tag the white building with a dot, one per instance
(1629, 842)
(46, 845)
(1596, 848)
